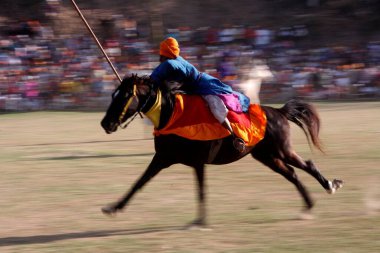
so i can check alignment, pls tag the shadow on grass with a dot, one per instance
(36, 239)
(82, 142)
(75, 157)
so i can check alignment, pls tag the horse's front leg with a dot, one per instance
(155, 166)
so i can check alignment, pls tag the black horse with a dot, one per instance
(136, 95)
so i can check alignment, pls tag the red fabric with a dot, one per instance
(242, 119)
(192, 119)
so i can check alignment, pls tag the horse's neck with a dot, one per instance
(160, 109)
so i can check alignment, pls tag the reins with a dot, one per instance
(128, 122)
(138, 112)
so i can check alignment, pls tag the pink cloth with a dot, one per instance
(232, 102)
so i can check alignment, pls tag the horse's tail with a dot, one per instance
(306, 117)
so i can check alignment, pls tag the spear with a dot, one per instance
(96, 40)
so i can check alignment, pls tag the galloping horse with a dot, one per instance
(137, 95)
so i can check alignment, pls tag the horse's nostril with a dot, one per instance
(109, 127)
(105, 126)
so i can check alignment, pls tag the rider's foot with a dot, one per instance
(239, 144)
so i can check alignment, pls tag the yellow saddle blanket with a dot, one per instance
(192, 119)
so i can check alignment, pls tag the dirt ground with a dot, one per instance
(59, 168)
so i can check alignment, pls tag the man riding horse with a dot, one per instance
(174, 72)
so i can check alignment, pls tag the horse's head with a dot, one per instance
(127, 100)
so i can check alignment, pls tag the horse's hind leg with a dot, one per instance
(295, 160)
(288, 172)
(200, 175)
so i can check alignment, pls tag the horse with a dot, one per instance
(136, 95)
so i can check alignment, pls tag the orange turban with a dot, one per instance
(169, 48)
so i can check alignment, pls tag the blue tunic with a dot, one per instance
(194, 82)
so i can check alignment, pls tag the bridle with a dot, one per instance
(128, 103)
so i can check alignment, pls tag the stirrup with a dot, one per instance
(239, 144)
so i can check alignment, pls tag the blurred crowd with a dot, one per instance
(40, 70)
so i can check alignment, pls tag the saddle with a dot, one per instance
(192, 119)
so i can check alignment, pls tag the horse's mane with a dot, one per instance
(145, 79)
(168, 99)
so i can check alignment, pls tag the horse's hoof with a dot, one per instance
(198, 224)
(334, 186)
(306, 215)
(109, 210)
(198, 227)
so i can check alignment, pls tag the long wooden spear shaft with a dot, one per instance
(96, 40)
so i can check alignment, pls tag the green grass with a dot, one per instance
(59, 168)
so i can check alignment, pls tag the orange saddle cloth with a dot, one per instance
(192, 119)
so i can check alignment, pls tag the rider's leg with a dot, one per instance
(220, 111)
(238, 143)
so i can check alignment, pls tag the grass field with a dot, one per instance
(59, 168)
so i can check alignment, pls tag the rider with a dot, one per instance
(174, 72)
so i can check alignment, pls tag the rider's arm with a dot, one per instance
(161, 73)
